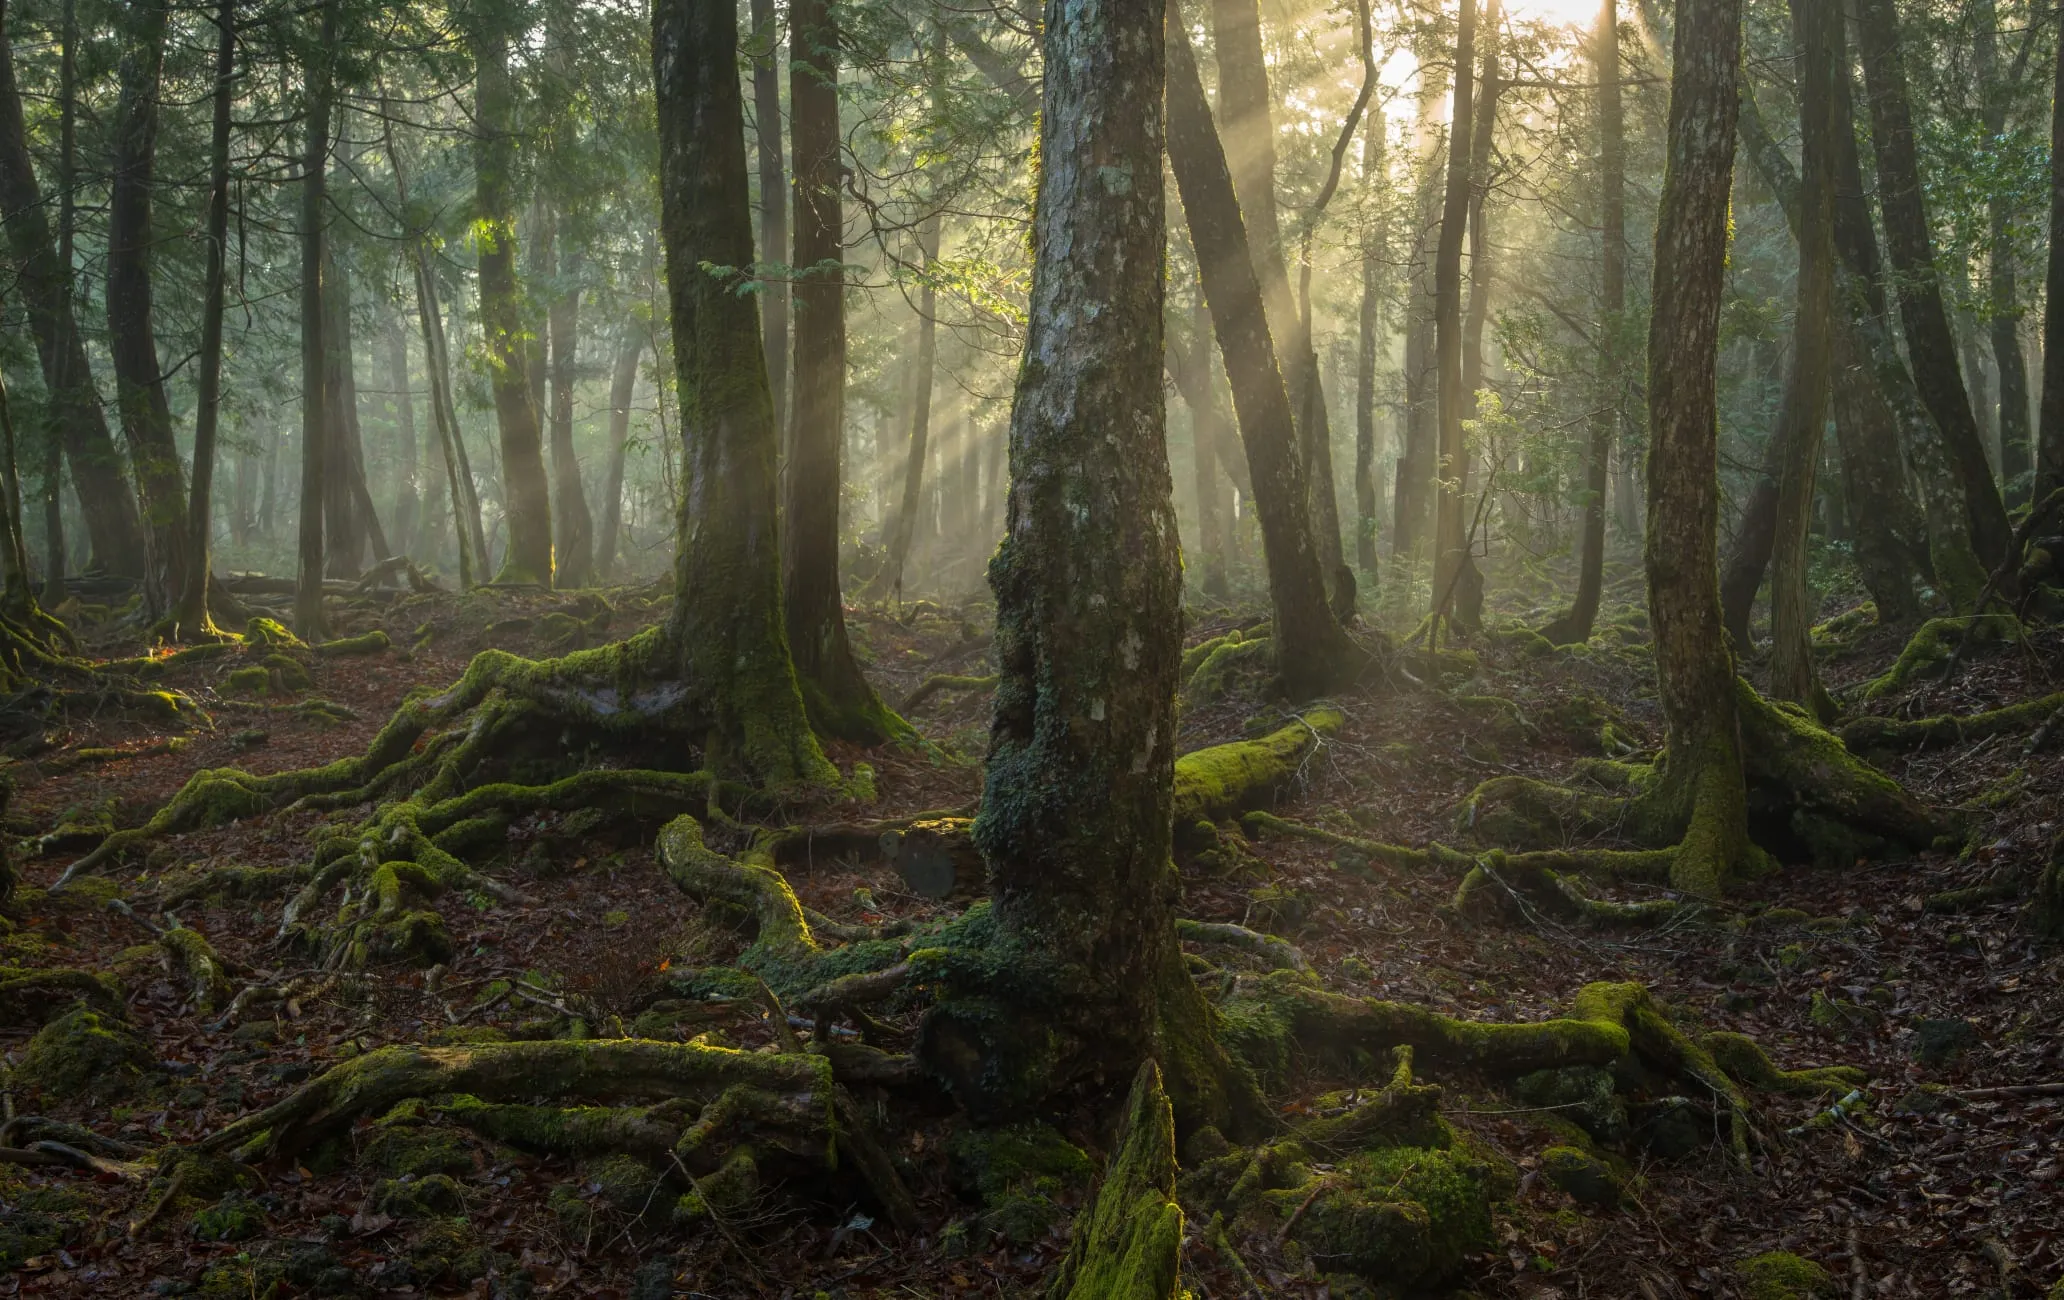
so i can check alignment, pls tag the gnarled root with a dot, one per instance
(1890, 735)
(34, 997)
(1539, 883)
(1128, 1244)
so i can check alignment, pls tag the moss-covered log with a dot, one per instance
(1226, 780)
(1872, 735)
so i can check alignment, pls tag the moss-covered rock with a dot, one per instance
(721, 1194)
(1588, 1180)
(447, 1250)
(417, 1150)
(1781, 1275)
(1407, 1216)
(236, 1217)
(1021, 1174)
(37, 1219)
(84, 1054)
(1583, 1094)
(416, 1198)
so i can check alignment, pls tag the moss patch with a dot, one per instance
(1781, 1275)
(84, 1054)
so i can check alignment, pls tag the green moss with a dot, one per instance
(448, 1250)
(233, 1218)
(1021, 1174)
(1747, 1064)
(1584, 1094)
(1935, 641)
(271, 633)
(37, 1219)
(1588, 1180)
(413, 1151)
(415, 1198)
(725, 1193)
(84, 1054)
(1215, 673)
(247, 681)
(1224, 780)
(1781, 1275)
(1128, 1245)
(1406, 1216)
(366, 643)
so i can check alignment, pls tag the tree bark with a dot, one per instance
(1694, 667)
(344, 524)
(192, 615)
(2049, 456)
(573, 527)
(623, 384)
(726, 631)
(1312, 651)
(43, 280)
(132, 338)
(315, 163)
(407, 494)
(840, 701)
(1369, 342)
(1077, 798)
(1792, 675)
(1449, 549)
(1207, 438)
(1577, 624)
(903, 522)
(1931, 345)
(526, 496)
(774, 199)
(1463, 601)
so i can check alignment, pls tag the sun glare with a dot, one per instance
(1555, 13)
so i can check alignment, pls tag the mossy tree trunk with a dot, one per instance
(1576, 624)
(2002, 286)
(132, 337)
(526, 496)
(1694, 666)
(726, 634)
(1312, 652)
(1931, 345)
(841, 703)
(2049, 455)
(43, 282)
(1083, 978)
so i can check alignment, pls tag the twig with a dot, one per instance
(2053, 1089)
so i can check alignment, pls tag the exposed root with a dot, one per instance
(1936, 642)
(1529, 882)
(1128, 1244)
(939, 682)
(191, 955)
(1280, 954)
(1225, 780)
(1890, 735)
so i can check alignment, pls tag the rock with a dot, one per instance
(1585, 1177)
(84, 1053)
(1937, 1042)
(1019, 1173)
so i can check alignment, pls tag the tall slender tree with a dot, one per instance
(317, 88)
(2049, 453)
(774, 199)
(1368, 345)
(1450, 548)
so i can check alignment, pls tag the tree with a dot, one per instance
(1312, 652)
(1996, 90)
(623, 384)
(2049, 456)
(317, 89)
(146, 414)
(44, 283)
(773, 211)
(1931, 345)
(902, 523)
(526, 497)
(1576, 624)
(841, 702)
(1368, 339)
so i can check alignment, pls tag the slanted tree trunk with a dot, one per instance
(840, 701)
(1576, 625)
(526, 496)
(42, 278)
(407, 494)
(1694, 666)
(726, 632)
(1792, 675)
(1931, 345)
(132, 337)
(902, 529)
(1369, 342)
(1207, 437)
(1248, 138)
(1312, 652)
(2049, 455)
(2003, 291)
(623, 385)
(573, 527)
(315, 162)
(192, 614)
(773, 291)
(1075, 824)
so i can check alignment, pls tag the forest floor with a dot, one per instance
(1923, 1192)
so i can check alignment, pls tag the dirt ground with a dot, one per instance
(1915, 1193)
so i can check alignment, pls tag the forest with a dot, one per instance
(846, 649)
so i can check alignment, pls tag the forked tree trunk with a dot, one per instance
(526, 496)
(132, 336)
(840, 701)
(1694, 667)
(1792, 675)
(726, 632)
(1312, 651)
(192, 615)
(1931, 345)
(42, 279)
(1075, 823)
(315, 162)
(1576, 625)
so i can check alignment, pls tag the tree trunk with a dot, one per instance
(1369, 342)
(43, 279)
(1463, 601)
(1792, 675)
(192, 615)
(623, 384)
(407, 494)
(726, 631)
(2049, 456)
(1931, 346)
(1412, 505)
(1248, 137)
(1207, 438)
(1076, 806)
(526, 497)
(774, 292)
(349, 523)
(132, 338)
(903, 522)
(1577, 624)
(573, 526)
(1449, 547)
(315, 163)
(1312, 651)
(840, 701)
(53, 518)
(1694, 667)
